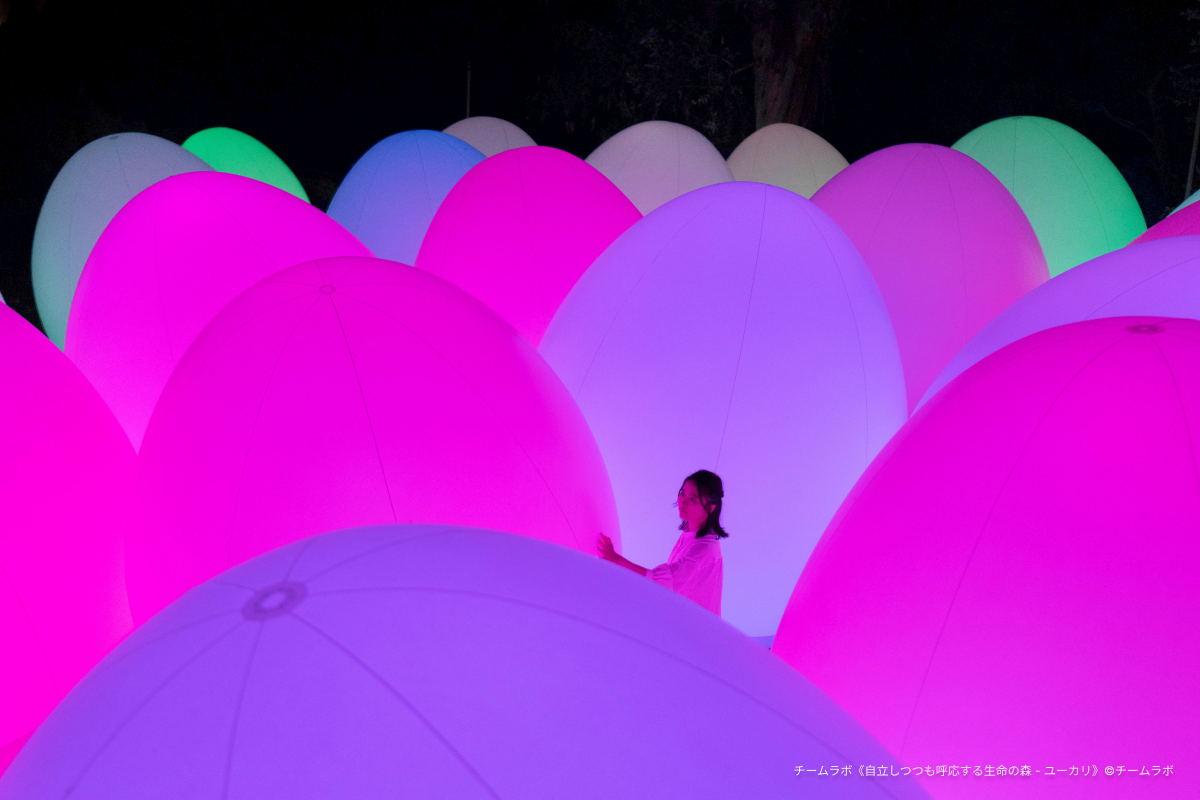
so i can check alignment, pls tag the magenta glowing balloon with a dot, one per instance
(656, 161)
(170, 260)
(947, 244)
(1184, 222)
(426, 661)
(734, 329)
(519, 229)
(1013, 581)
(1158, 278)
(347, 392)
(66, 471)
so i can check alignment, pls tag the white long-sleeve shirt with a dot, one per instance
(694, 570)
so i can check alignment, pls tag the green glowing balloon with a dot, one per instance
(227, 150)
(1075, 198)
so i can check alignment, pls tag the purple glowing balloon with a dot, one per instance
(170, 260)
(1158, 278)
(66, 473)
(354, 391)
(947, 244)
(1013, 581)
(734, 329)
(1184, 222)
(442, 662)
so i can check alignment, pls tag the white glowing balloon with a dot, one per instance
(787, 156)
(490, 135)
(86, 194)
(654, 162)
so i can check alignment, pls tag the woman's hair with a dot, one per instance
(708, 486)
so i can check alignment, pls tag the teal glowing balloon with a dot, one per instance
(1193, 197)
(1075, 198)
(227, 150)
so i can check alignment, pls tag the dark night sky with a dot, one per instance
(321, 82)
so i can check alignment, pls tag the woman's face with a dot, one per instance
(690, 508)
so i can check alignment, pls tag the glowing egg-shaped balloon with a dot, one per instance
(86, 194)
(1013, 581)
(229, 150)
(490, 135)
(1075, 198)
(1193, 197)
(390, 195)
(431, 661)
(66, 471)
(1160, 278)
(656, 161)
(788, 156)
(349, 392)
(519, 229)
(946, 242)
(170, 260)
(734, 329)
(1185, 223)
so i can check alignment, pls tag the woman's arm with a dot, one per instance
(608, 553)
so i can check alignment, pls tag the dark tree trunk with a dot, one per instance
(789, 44)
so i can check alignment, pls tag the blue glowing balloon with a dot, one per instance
(392, 192)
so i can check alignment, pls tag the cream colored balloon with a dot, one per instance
(654, 162)
(490, 135)
(787, 156)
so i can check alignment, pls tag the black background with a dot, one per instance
(320, 82)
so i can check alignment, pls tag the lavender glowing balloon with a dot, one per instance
(490, 135)
(390, 195)
(66, 472)
(442, 662)
(734, 329)
(169, 261)
(656, 161)
(519, 229)
(1013, 581)
(86, 194)
(788, 156)
(354, 391)
(1159, 278)
(946, 242)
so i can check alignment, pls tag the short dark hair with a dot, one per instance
(708, 486)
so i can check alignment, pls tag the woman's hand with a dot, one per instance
(607, 551)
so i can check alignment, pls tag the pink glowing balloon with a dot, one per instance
(947, 244)
(66, 471)
(1184, 222)
(355, 391)
(1013, 581)
(519, 229)
(170, 260)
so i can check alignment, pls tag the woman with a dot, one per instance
(694, 568)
